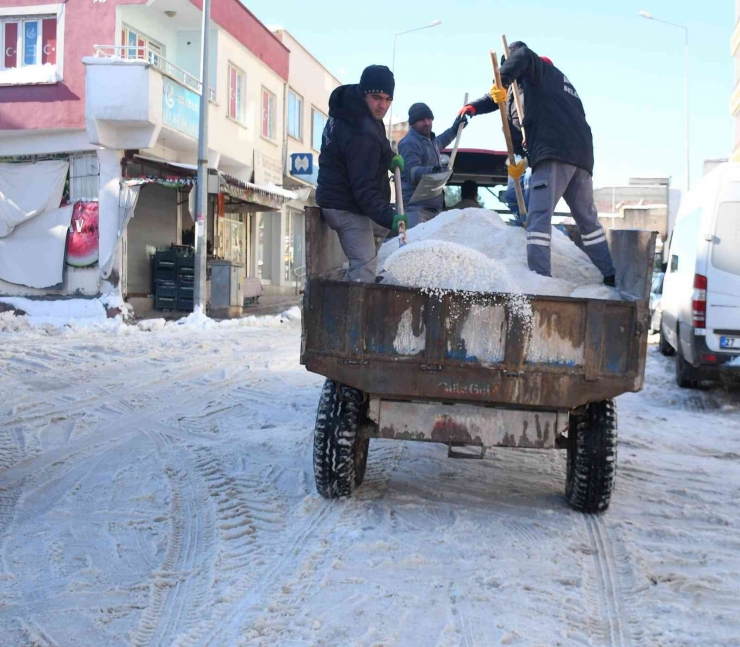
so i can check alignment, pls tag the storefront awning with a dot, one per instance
(272, 197)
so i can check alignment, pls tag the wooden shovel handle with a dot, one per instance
(507, 136)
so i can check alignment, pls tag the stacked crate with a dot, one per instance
(165, 279)
(174, 278)
(185, 280)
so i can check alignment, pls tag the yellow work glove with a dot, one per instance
(517, 170)
(498, 94)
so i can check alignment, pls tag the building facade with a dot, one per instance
(112, 89)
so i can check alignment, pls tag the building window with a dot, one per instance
(295, 115)
(137, 45)
(318, 121)
(268, 114)
(236, 93)
(28, 41)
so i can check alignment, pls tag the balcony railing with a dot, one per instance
(156, 60)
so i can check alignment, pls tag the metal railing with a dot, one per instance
(299, 274)
(156, 60)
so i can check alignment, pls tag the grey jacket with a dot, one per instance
(420, 156)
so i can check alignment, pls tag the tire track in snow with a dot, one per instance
(181, 580)
(608, 570)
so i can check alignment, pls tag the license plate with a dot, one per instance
(729, 342)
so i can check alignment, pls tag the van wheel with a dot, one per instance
(339, 454)
(664, 348)
(685, 373)
(592, 457)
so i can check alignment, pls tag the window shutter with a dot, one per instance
(11, 44)
(232, 93)
(49, 41)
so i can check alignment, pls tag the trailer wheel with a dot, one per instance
(685, 373)
(664, 348)
(592, 457)
(339, 456)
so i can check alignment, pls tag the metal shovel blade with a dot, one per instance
(430, 186)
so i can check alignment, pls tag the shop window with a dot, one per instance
(29, 42)
(295, 115)
(237, 87)
(318, 121)
(268, 114)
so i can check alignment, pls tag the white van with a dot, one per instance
(701, 289)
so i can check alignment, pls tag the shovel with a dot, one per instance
(399, 206)
(507, 136)
(431, 185)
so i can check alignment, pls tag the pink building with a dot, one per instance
(112, 88)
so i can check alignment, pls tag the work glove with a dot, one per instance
(498, 94)
(460, 119)
(517, 170)
(399, 218)
(397, 163)
(436, 169)
(467, 110)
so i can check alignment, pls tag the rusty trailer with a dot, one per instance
(472, 369)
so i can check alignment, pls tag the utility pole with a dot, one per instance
(201, 186)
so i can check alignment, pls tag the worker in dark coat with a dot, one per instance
(353, 188)
(559, 145)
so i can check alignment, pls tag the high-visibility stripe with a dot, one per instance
(536, 234)
(593, 234)
(596, 241)
(537, 241)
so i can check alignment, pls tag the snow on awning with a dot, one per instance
(270, 196)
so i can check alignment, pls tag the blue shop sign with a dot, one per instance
(301, 164)
(180, 108)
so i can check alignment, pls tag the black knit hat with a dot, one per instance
(419, 111)
(377, 78)
(517, 44)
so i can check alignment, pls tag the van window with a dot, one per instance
(726, 247)
(674, 263)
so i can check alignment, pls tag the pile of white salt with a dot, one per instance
(474, 249)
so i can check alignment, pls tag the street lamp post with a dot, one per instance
(434, 23)
(647, 15)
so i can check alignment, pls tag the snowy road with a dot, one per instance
(156, 489)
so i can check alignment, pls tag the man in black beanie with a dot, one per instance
(420, 149)
(353, 188)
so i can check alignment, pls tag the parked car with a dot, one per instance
(656, 309)
(700, 299)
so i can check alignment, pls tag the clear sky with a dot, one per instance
(628, 71)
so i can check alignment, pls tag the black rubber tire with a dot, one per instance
(592, 457)
(664, 348)
(685, 373)
(339, 457)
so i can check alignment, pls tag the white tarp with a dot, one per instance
(127, 199)
(26, 190)
(33, 255)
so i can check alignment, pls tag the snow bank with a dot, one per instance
(69, 315)
(474, 249)
(59, 312)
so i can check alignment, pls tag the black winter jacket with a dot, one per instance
(354, 160)
(486, 104)
(554, 118)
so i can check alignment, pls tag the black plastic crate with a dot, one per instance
(185, 305)
(185, 291)
(165, 275)
(165, 303)
(166, 289)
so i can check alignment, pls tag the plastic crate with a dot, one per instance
(166, 289)
(164, 275)
(185, 305)
(165, 303)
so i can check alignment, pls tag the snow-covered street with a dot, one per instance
(156, 488)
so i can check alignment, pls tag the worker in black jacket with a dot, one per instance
(353, 188)
(559, 145)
